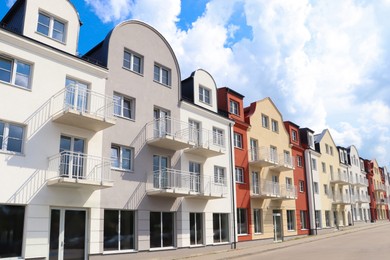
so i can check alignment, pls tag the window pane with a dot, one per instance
(155, 229)
(115, 157)
(11, 230)
(165, 77)
(156, 73)
(43, 24)
(15, 138)
(58, 31)
(127, 108)
(126, 158)
(127, 230)
(117, 105)
(5, 70)
(22, 74)
(111, 235)
(137, 64)
(168, 229)
(126, 60)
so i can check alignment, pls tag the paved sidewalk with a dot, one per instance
(248, 248)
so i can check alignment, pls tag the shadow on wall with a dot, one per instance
(29, 188)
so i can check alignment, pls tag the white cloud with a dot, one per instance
(111, 10)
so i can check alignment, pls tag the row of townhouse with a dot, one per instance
(113, 152)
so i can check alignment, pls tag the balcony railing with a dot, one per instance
(168, 133)
(177, 183)
(360, 181)
(262, 157)
(285, 163)
(340, 177)
(78, 169)
(206, 143)
(83, 108)
(380, 187)
(341, 199)
(361, 198)
(273, 190)
(381, 201)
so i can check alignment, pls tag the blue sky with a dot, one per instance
(325, 63)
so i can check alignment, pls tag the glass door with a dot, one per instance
(72, 157)
(67, 234)
(76, 96)
(277, 221)
(275, 185)
(196, 228)
(255, 182)
(161, 122)
(161, 178)
(194, 176)
(254, 150)
(194, 132)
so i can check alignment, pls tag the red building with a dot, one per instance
(231, 102)
(302, 208)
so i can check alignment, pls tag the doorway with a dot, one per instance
(277, 221)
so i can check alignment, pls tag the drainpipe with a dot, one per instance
(350, 197)
(234, 244)
(312, 191)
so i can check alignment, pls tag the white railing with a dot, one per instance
(339, 177)
(185, 182)
(273, 189)
(289, 191)
(79, 166)
(167, 126)
(379, 200)
(207, 139)
(262, 154)
(83, 100)
(341, 198)
(362, 198)
(360, 180)
(286, 160)
(380, 187)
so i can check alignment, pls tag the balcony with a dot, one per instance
(360, 181)
(206, 143)
(273, 190)
(77, 170)
(168, 133)
(380, 187)
(340, 178)
(177, 183)
(341, 199)
(361, 198)
(285, 163)
(82, 108)
(262, 157)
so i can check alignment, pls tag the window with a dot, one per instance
(162, 75)
(315, 187)
(331, 150)
(331, 169)
(237, 140)
(303, 217)
(234, 109)
(122, 157)
(310, 140)
(327, 218)
(289, 182)
(239, 175)
(51, 27)
(294, 135)
(255, 183)
(254, 149)
(196, 228)
(290, 220)
(11, 137)
(218, 137)
(221, 227)
(264, 121)
(257, 219)
(123, 106)
(274, 154)
(162, 229)
(219, 175)
(327, 148)
(118, 230)
(242, 222)
(132, 62)
(299, 160)
(323, 167)
(15, 72)
(11, 231)
(287, 157)
(275, 126)
(314, 164)
(326, 189)
(301, 186)
(317, 217)
(204, 95)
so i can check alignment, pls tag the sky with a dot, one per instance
(324, 63)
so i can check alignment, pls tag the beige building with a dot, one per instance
(271, 167)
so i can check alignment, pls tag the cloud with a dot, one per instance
(112, 10)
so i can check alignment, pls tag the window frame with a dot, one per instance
(315, 188)
(234, 107)
(5, 137)
(123, 99)
(239, 172)
(314, 164)
(258, 225)
(237, 140)
(265, 121)
(132, 56)
(206, 99)
(323, 165)
(301, 185)
(275, 126)
(218, 137)
(51, 28)
(119, 229)
(14, 75)
(219, 175)
(294, 135)
(242, 221)
(13, 219)
(303, 219)
(160, 80)
(291, 223)
(120, 149)
(299, 161)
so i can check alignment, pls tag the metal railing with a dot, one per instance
(286, 160)
(380, 187)
(262, 154)
(339, 177)
(273, 189)
(341, 198)
(167, 126)
(79, 166)
(185, 182)
(360, 181)
(85, 101)
(206, 138)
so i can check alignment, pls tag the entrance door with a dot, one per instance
(161, 178)
(72, 157)
(67, 234)
(277, 220)
(161, 122)
(275, 185)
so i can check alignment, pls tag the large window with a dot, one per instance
(196, 228)
(162, 75)
(118, 230)
(257, 219)
(51, 27)
(317, 216)
(15, 72)
(11, 137)
(239, 174)
(290, 220)
(221, 227)
(327, 218)
(219, 175)
(132, 61)
(161, 229)
(218, 137)
(234, 108)
(242, 221)
(255, 183)
(264, 121)
(303, 218)
(11, 230)
(237, 140)
(275, 126)
(122, 157)
(204, 95)
(124, 106)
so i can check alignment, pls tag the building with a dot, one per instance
(271, 165)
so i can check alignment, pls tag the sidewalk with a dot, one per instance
(248, 248)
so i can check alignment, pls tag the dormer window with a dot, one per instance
(310, 141)
(294, 135)
(204, 95)
(51, 27)
(234, 107)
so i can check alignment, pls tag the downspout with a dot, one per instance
(350, 196)
(234, 244)
(312, 191)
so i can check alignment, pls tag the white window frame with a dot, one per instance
(264, 121)
(118, 225)
(159, 76)
(303, 218)
(122, 99)
(301, 186)
(237, 140)
(299, 161)
(275, 126)
(5, 137)
(218, 137)
(239, 175)
(120, 158)
(314, 164)
(131, 61)
(234, 107)
(241, 222)
(315, 187)
(14, 74)
(290, 220)
(219, 175)
(294, 135)
(258, 225)
(204, 95)
(50, 27)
